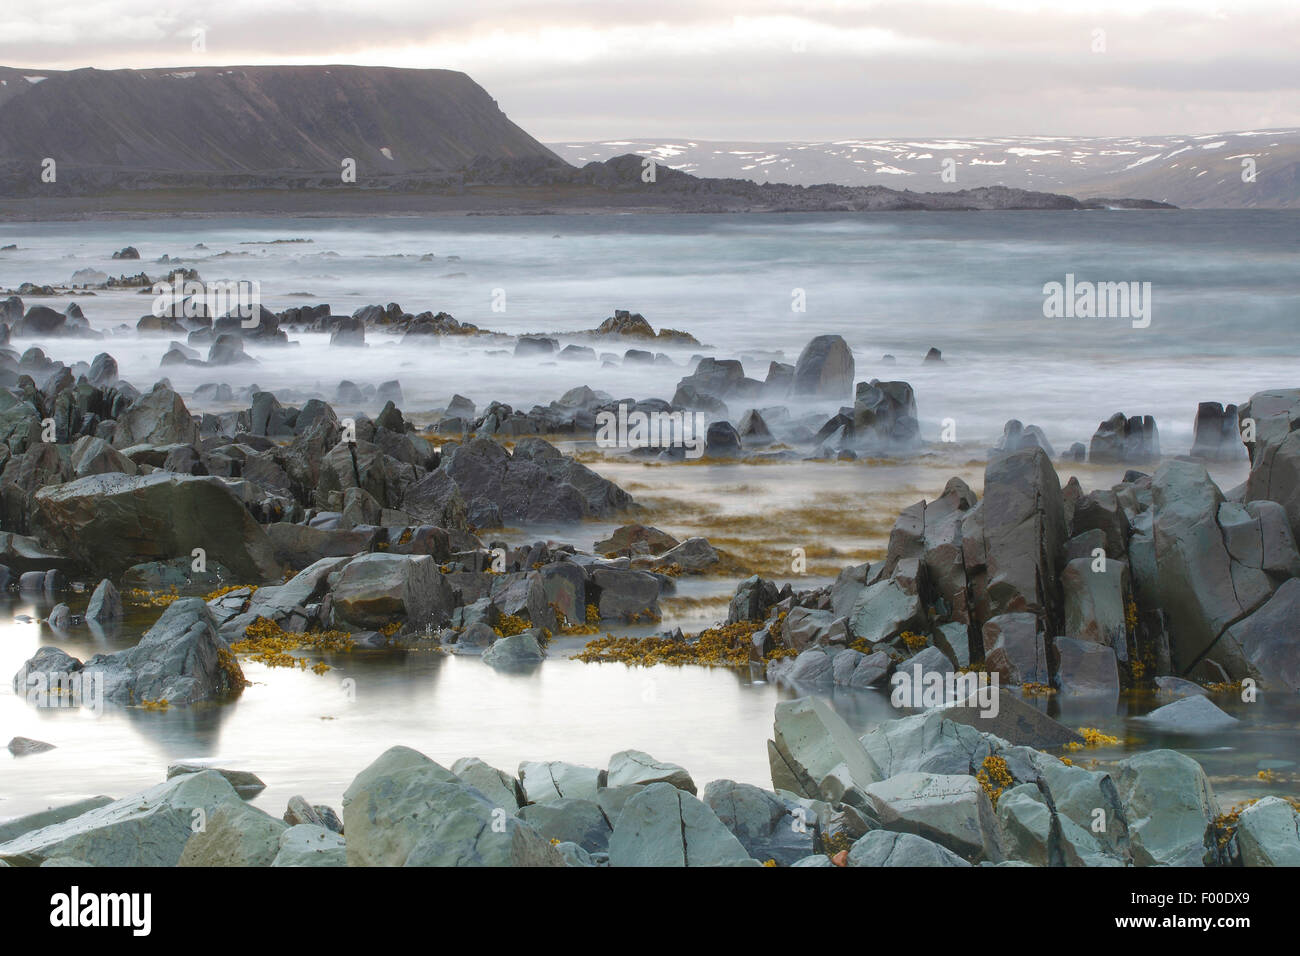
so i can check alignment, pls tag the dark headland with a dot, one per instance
(264, 140)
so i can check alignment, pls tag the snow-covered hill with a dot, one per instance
(1210, 171)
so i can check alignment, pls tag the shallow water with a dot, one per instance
(1224, 284)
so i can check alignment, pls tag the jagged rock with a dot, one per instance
(543, 782)
(373, 590)
(1125, 440)
(105, 605)
(498, 786)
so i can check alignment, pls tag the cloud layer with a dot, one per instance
(746, 69)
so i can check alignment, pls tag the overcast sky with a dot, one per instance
(746, 69)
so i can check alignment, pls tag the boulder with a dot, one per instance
(373, 590)
(112, 521)
(570, 821)
(1171, 809)
(1189, 715)
(767, 826)
(1086, 669)
(633, 767)
(1268, 834)
(235, 835)
(951, 809)
(814, 754)
(516, 651)
(825, 369)
(664, 826)
(145, 829)
(406, 810)
(887, 848)
(308, 844)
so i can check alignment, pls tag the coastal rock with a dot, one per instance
(814, 754)
(950, 809)
(887, 848)
(825, 368)
(307, 844)
(105, 605)
(110, 522)
(767, 827)
(1170, 807)
(1268, 834)
(516, 651)
(633, 767)
(570, 821)
(373, 590)
(1190, 715)
(235, 835)
(556, 780)
(1086, 669)
(1118, 439)
(145, 829)
(664, 826)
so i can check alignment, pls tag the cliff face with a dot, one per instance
(256, 118)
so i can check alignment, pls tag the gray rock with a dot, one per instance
(825, 368)
(246, 784)
(235, 835)
(767, 826)
(1086, 669)
(373, 590)
(543, 782)
(664, 826)
(105, 605)
(146, 829)
(950, 809)
(1190, 715)
(633, 767)
(516, 651)
(498, 786)
(307, 844)
(886, 848)
(814, 753)
(1171, 808)
(570, 821)
(1268, 833)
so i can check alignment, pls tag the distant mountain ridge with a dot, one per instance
(255, 118)
(1188, 171)
(270, 138)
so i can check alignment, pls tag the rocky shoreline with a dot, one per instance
(277, 529)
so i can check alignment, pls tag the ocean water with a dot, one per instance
(1224, 289)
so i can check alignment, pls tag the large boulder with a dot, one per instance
(1268, 834)
(145, 829)
(1134, 440)
(235, 836)
(633, 767)
(1171, 809)
(1013, 540)
(664, 826)
(887, 848)
(768, 827)
(158, 417)
(110, 522)
(1203, 586)
(373, 590)
(1275, 453)
(180, 659)
(825, 368)
(1266, 645)
(406, 810)
(951, 809)
(814, 754)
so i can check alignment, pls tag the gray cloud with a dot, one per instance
(760, 69)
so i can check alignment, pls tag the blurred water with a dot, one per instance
(1224, 283)
(1225, 287)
